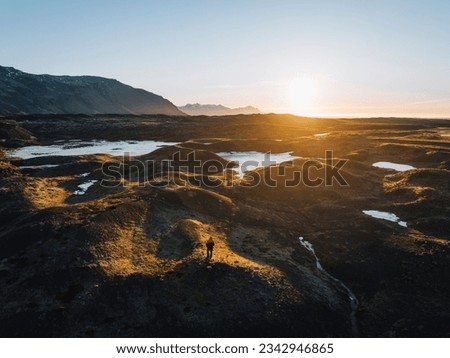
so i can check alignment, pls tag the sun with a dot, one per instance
(301, 94)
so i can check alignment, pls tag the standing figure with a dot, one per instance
(209, 248)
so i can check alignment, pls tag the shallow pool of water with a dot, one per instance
(84, 187)
(251, 160)
(76, 147)
(43, 166)
(394, 166)
(385, 216)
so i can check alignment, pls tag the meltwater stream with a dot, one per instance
(354, 303)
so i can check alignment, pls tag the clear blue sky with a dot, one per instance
(362, 57)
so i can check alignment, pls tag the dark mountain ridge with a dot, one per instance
(197, 109)
(24, 93)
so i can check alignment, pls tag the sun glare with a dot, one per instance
(301, 94)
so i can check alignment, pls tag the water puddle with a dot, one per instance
(394, 166)
(251, 160)
(353, 300)
(77, 147)
(43, 166)
(385, 216)
(84, 187)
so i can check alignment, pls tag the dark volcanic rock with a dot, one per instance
(13, 135)
(26, 93)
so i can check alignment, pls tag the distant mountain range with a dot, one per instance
(198, 109)
(24, 93)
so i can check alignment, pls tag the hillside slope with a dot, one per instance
(24, 93)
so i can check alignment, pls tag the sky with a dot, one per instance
(315, 57)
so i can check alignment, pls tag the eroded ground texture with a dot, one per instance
(128, 259)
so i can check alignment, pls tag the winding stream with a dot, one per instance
(354, 303)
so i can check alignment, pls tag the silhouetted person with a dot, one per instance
(209, 248)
